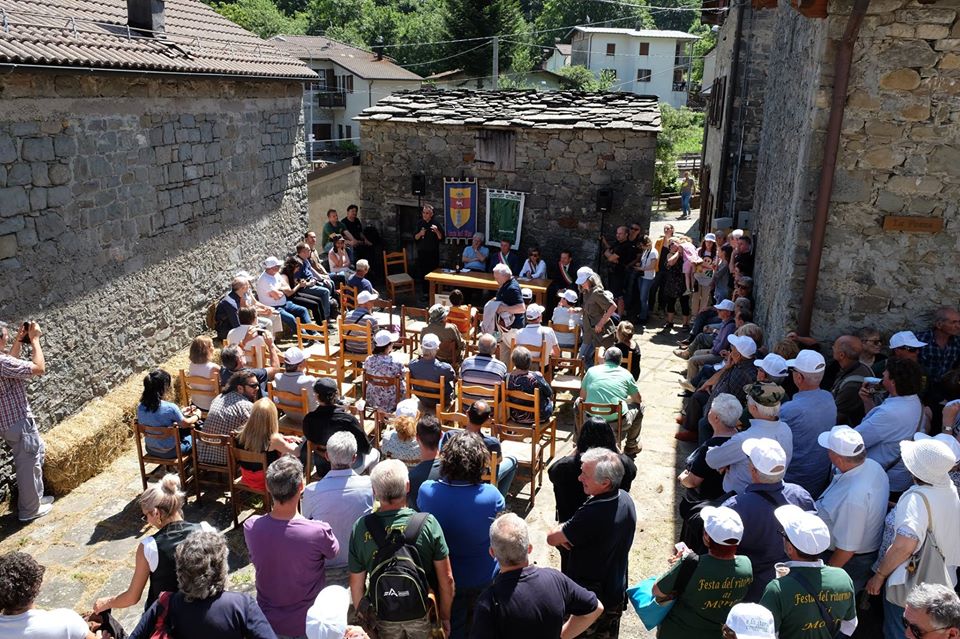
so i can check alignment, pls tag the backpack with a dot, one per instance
(398, 587)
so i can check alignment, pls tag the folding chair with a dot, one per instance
(183, 461)
(397, 281)
(236, 456)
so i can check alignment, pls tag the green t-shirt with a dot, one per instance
(701, 609)
(609, 384)
(430, 544)
(329, 229)
(796, 614)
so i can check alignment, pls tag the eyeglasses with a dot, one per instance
(252, 384)
(916, 631)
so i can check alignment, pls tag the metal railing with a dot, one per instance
(330, 99)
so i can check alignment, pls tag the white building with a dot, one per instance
(559, 58)
(645, 62)
(351, 79)
(539, 79)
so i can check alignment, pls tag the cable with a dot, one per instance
(455, 55)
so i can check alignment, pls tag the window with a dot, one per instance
(611, 48)
(345, 83)
(643, 75)
(339, 131)
(496, 149)
(718, 94)
(644, 48)
(349, 132)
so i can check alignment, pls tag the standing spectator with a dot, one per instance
(756, 503)
(722, 284)
(521, 378)
(341, 496)
(703, 273)
(662, 246)
(229, 411)
(810, 413)
(846, 385)
(647, 265)
(872, 344)
(620, 258)
(810, 594)
(390, 487)
(353, 231)
(451, 341)
(719, 581)
(609, 383)
(428, 436)
(511, 303)
(427, 367)
(429, 236)
(932, 608)
(17, 424)
(599, 537)
(526, 600)
(270, 291)
(599, 307)
(904, 345)
(288, 551)
(475, 255)
(534, 268)
(480, 415)
(674, 286)
(20, 580)
(293, 379)
(687, 186)
(383, 364)
(941, 350)
(329, 418)
(743, 258)
(463, 505)
(154, 410)
(854, 504)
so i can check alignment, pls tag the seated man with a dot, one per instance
(475, 256)
(229, 411)
(248, 334)
(359, 280)
(451, 341)
(329, 418)
(428, 367)
(505, 256)
(293, 379)
(270, 291)
(480, 415)
(362, 314)
(483, 369)
(228, 308)
(567, 313)
(342, 496)
(534, 334)
(534, 268)
(707, 347)
(333, 227)
(233, 359)
(522, 379)
(702, 482)
(321, 285)
(609, 383)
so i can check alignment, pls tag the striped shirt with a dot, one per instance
(482, 370)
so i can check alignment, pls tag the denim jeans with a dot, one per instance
(701, 320)
(645, 285)
(27, 450)
(685, 203)
(892, 620)
(322, 293)
(186, 443)
(506, 472)
(289, 312)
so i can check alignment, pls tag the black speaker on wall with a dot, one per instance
(418, 184)
(604, 200)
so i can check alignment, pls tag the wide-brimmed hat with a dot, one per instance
(437, 313)
(947, 439)
(928, 460)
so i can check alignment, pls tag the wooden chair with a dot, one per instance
(427, 390)
(319, 366)
(237, 455)
(566, 376)
(528, 442)
(539, 358)
(223, 472)
(412, 321)
(465, 315)
(626, 362)
(183, 461)
(452, 420)
(490, 472)
(295, 406)
(470, 349)
(397, 281)
(564, 329)
(194, 386)
(319, 342)
(599, 410)
(448, 353)
(356, 344)
(348, 299)
(493, 395)
(392, 383)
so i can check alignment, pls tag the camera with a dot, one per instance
(26, 333)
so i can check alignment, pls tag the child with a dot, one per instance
(460, 314)
(690, 260)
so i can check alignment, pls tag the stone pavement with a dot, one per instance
(88, 542)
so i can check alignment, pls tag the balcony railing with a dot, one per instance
(331, 99)
(679, 86)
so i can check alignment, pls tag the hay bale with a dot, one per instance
(84, 444)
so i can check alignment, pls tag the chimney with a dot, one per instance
(378, 48)
(146, 17)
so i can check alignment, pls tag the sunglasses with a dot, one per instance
(252, 384)
(916, 631)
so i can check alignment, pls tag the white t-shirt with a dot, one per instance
(911, 514)
(534, 335)
(43, 624)
(205, 371)
(647, 260)
(236, 335)
(267, 283)
(564, 315)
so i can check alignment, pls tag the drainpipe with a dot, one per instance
(730, 96)
(831, 145)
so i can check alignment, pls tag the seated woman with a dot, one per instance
(339, 260)
(460, 314)
(400, 439)
(201, 352)
(475, 256)
(157, 412)
(627, 346)
(297, 290)
(382, 364)
(261, 433)
(521, 378)
(20, 580)
(534, 267)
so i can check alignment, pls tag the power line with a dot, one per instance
(455, 55)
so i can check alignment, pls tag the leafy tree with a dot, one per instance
(677, 20)
(703, 46)
(565, 13)
(682, 132)
(261, 17)
(468, 19)
(582, 79)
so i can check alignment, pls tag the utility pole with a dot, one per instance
(496, 62)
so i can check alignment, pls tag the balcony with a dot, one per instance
(331, 99)
(679, 86)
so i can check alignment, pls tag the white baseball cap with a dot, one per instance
(710, 237)
(570, 295)
(534, 311)
(766, 455)
(949, 440)
(744, 345)
(747, 620)
(583, 274)
(327, 617)
(366, 296)
(725, 305)
(408, 408)
(842, 440)
(293, 355)
(905, 338)
(430, 341)
(526, 293)
(736, 233)
(722, 524)
(272, 262)
(384, 337)
(808, 361)
(773, 365)
(807, 532)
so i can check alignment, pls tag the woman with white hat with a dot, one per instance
(930, 506)
(382, 364)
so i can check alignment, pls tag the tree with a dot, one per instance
(682, 132)
(582, 78)
(261, 17)
(703, 46)
(677, 20)
(474, 21)
(566, 13)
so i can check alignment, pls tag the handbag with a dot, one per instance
(161, 629)
(652, 612)
(927, 565)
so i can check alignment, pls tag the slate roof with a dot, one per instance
(639, 33)
(359, 62)
(519, 109)
(94, 34)
(563, 49)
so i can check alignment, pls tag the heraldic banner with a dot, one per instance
(459, 208)
(504, 216)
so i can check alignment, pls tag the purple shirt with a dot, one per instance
(720, 342)
(289, 558)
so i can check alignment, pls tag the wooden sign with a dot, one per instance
(912, 224)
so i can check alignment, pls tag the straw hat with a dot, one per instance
(928, 460)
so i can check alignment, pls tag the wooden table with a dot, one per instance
(441, 279)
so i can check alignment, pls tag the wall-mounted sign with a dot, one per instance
(912, 224)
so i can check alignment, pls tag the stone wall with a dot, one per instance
(127, 203)
(899, 155)
(559, 169)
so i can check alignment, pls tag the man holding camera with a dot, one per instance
(17, 424)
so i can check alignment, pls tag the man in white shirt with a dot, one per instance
(270, 292)
(293, 379)
(341, 497)
(242, 335)
(20, 580)
(854, 504)
(534, 334)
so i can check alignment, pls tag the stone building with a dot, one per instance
(561, 148)
(144, 159)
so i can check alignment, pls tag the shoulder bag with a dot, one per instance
(927, 565)
(161, 629)
(652, 612)
(833, 628)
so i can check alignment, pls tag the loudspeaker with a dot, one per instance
(604, 200)
(418, 184)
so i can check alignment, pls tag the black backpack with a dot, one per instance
(398, 587)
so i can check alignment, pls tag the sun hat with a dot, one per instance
(807, 532)
(722, 524)
(293, 355)
(430, 341)
(725, 305)
(842, 440)
(534, 311)
(327, 617)
(583, 274)
(747, 620)
(272, 262)
(928, 460)
(773, 364)
(905, 338)
(765, 393)
(808, 361)
(384, 337)
(363, 297)
(437, 313)
(526, 293)
(408, 408)
(736, 233)
(710, 237)
(744, 345)
(570, 295)
(766, 455)
(947, 439)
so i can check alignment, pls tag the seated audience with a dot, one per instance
(483, 369)
(533, 268)
(304, 292)
(904, 345)
(626, 345)
(428, 368)
(609, 383)
(362, 314)
(288, 551)
(329, 418)
(451, 341)
(293, 379)
(707, 347)
(400, 438)
(320, 285)
(233, 359)
(703, 483)
(359, 279)
(20, 580)
(226, 314)
(339, 259)
(382, 364)
(568, 314)
(534, 334)
(521, 378)
(201, 365)
(428, 437)
(272, 291)
(811, 413)
(155, 411)
(261, 434)
(505, 256)
(849, 379)
(476, 254)
(248, 334)
(316, 262)
(333, 226)
(341, 496)
(229, 411)
(479, 416)
(460, 314)
(872, 345)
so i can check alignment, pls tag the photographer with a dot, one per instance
(17, 424)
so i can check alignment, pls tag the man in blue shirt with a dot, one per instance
(511, 301)
(479, 415)
(812, 411)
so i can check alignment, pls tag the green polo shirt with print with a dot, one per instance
(795, 612)
(700, 610)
